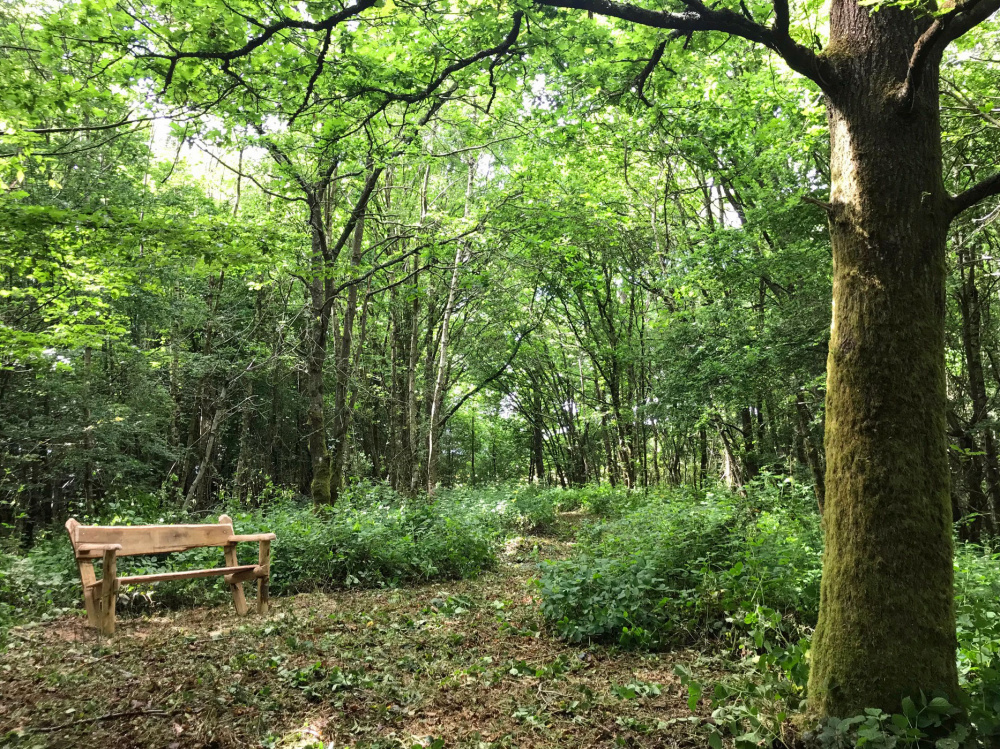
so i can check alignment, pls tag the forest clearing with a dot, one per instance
(565, 372)
(464, 664)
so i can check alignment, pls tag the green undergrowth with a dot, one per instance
(373, 537)
(686, 563)
(737, 576)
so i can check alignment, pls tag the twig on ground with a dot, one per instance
(113, 716)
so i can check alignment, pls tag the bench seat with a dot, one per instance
(183, 575)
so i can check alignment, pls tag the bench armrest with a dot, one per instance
(98, 547)
(253, 537)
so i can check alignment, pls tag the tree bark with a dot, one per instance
(316, 345)
(341, 409)
(886, 622)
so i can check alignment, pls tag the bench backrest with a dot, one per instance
(148, 539)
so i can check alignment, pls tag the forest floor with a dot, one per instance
(462, 664)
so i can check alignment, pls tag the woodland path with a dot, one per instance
(457, 664)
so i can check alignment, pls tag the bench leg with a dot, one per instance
(263, 583)
(239, 600)
(88, 577)
(109, 590)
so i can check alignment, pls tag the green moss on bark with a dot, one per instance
(886, 623)
(320, 486)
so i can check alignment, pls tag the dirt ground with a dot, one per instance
(462, 664)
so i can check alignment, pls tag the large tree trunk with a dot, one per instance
(886, 623)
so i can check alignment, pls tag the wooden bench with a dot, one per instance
(108, 542)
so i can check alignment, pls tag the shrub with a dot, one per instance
(687, 563)
(745, 570)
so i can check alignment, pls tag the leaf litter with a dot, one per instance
(463, 664)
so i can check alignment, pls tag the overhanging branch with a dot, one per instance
(943, 31)
(700, 17)
(640, 82)
(425, 93)
(268, 31)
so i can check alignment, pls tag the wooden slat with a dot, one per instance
(185, 575)
(253, 574)
(148, 539)
(252, 537)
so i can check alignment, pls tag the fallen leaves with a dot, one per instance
(467, 666)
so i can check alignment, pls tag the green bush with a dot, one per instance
(358, 542)
(39, 585)
(373, 537)
(744, 571)
(505, 509)
(687, 562)
(601, 500)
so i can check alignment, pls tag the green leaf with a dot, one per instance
(694, 696)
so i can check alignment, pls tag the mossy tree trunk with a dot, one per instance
(886, 624)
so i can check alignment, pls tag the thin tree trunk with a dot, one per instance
(809, 447)
(972, 343)
(342, 414)
(316, 349)
(200, 485)
(433, 447)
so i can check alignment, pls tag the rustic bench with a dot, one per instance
(108, 542)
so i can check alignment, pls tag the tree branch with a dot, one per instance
(975, 194)
(640, 82)
(931, 45)
(268, 31)
(243, 175)
(425, 93)
(782, 17)
(510, 360)
(700, 17)
(320, 61)
(88, 128)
